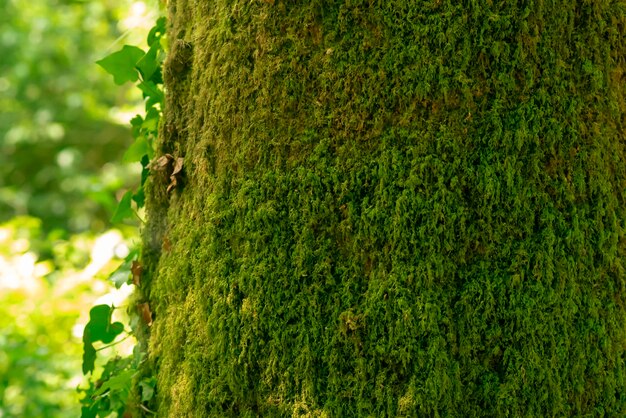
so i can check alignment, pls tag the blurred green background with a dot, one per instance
(63, 130)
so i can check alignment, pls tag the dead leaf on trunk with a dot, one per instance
(178, 166)
(136, 269)
(145, 312)
(176, 173)
(173, 167)
(162, 163)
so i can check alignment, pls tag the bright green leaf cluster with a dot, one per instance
(132, 64)
(110, 393)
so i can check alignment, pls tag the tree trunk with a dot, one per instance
(391, 208)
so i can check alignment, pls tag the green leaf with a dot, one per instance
(157, 31)
(89, 411)
(147, 388)
(139, 198)
(118, 383)
(145, 171)
(121, 275)
(151, 123)
(99, 327)
(132, 255)
(151, 90)
(136, 123)
(89, 356)
(153, 101)
(150, 62)
(121, 64)
(138, 149)
(124, 209)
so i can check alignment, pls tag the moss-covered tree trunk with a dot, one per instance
(391, 208)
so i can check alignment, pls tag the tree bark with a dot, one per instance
(391, 208)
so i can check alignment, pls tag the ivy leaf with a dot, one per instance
(151, 123)
(89, 411)
(140, 198)
(124, 209)
(89, 356)
(145, 171)
(136, 124)
(151, 90)
(138, 149)
(121, 275)
(99, 327)
(147, 388)
(118, 383)
(121, 64)
(132, 255)
(157, 31)
(150, 62)
(127, 269)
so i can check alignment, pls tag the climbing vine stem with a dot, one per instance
(110, 392)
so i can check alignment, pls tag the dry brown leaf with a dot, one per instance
(173, 184)
(176, 172)
(145, 312)
(162, 162)
(136, 269)
(178, 166)
(173, 168)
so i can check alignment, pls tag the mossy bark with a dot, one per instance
(392, 208)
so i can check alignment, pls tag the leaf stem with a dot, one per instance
(114, 343)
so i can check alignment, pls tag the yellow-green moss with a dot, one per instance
(393, 208)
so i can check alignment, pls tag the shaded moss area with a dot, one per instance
(399, 208)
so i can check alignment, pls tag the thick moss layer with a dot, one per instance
(392, 208)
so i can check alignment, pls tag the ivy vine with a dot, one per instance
(110, 392)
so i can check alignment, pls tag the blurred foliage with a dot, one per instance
(58, 136)
(41, 312)
(63, 131)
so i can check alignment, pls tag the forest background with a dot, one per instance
(64, 127)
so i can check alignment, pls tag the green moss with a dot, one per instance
(403, 209)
